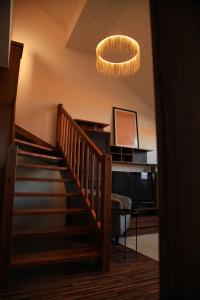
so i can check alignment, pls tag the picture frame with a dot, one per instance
(125, 128)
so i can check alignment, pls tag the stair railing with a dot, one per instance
(92, 171)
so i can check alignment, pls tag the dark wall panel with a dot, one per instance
(176, 53)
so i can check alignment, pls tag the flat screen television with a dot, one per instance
(138, 186)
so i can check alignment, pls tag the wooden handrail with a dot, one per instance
(91, 170)
(81, 132)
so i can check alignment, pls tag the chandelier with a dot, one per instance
(118, 56)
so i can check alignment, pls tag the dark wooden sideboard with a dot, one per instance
(95, 131)
(142, 191)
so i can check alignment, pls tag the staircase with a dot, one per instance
(67, 185)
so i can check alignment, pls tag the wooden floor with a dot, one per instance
(135, 279)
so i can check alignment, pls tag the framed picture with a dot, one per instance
(125, 128)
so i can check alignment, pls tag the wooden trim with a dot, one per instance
(56, 256)
(43, 194)
(70, 230)
(38, 155)
(21, 142)
(44, 179)
(50, 211)
(87, 125)
(46, 167)
(31, 137)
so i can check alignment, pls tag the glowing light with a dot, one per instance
(110, 52)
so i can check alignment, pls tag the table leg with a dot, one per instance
(125, 240)
(136, 235)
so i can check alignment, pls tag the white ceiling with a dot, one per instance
(61, 11)
(86, 22)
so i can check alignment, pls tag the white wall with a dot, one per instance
(52, 74)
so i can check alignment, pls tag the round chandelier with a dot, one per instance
(118, 56)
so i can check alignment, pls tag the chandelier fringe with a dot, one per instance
(118, 44)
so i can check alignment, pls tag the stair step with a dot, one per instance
(22, 178)
(70, 230)
(33, 194)
(58, 256)
(47, 167)
(38, 155)
(50, 211)
(25, 143)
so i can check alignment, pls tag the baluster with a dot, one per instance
(92, 180)
(86, 173)
(66, 137)
(82, 164)
(78, 160)
(59, 125)
(69, 142)
(98, 189)
(71, 148)
(61, 120)
(64, 133)
(74, 154)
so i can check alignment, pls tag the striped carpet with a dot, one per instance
(147, 244)
(135, 279)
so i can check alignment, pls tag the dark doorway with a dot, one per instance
(176, 54)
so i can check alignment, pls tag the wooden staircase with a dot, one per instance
(85, 174)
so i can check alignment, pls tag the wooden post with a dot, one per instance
(8, 91)
(58, 129)
(106, 211)
(7, 215)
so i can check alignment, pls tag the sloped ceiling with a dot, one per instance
(60, 11)
(86, 22)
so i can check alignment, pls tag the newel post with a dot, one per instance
(7, 215)
(58, 128)
(106, 210)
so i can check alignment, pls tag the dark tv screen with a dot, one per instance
(136, 185)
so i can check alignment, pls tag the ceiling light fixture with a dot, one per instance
(118, 56)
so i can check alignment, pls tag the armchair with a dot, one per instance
(118, 221)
